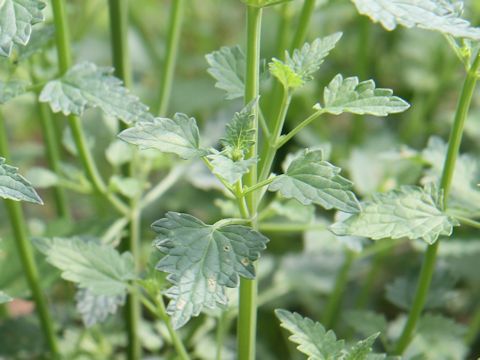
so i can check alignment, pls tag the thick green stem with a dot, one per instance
(428, 266)
(334, 303)
(171, 51)
(118, 10)
(25, 252)
(247, 317)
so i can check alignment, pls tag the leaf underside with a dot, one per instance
(11, 89)
(13, 186)
(95, 308)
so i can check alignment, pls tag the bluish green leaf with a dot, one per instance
(87, 86)
(443, 16)
(39, 40)
(202, 260)
(16, 20)
(310, 179)
(96, 308)
(350, 95)
(230, 170)
(179, 136)
(411, 212)
(4, 298)
(14, 186)
(12, 89)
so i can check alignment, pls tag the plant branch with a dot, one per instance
(286, 138)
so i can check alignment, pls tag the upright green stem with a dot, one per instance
(247, 317)
(118, 11)
(171, 51)
(428, 266)
(25, 252)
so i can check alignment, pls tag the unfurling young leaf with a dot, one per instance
(350, 95)
(230, 170)
(317, 343)
(227, 67)
(285, 74)
(202, 260)
(179, 136)
(13, 186)
(95, 308)
(310, 179)
(411, 212)
(99, 268)
(87, 86)
(16, 20)
(437, 15)
(11, 89)
(4, 298)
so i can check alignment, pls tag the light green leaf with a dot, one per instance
(230, 170)
(179, 136)
(87, 86)
(11, 89)
(227, 67)
(362, 349)
(310, 179)
(42, 178)
(292, 210)
(14, 186)
(93, 266)
(95, 308)
(202, 260)
(411, 212)
(16, 20)
(350, 95)
(443, 16)
(119, 153)
(39, 40)
(285, 74)
(4, 298)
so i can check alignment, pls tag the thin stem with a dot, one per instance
(303, 24)
(428, 266)
(334, 303)
(222, 327)
(25, 252)
(242, 204)
(118, 11)
(163, 186)
(173, 38)
(286, 138)
(247, 317)
(258, 185)
(467, 221)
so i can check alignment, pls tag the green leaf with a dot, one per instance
(293, 211)
(119, 153)
(11, 89)
(4, 298)
(437, 15)
(179, 136)
(42, 178)
(93, 266)
(411, 212)
(39, 41)
(285, 74)
(230, 170)
(14, 186)
(16, 20)
(95, 308)
(350, 95)
(87, 86)
(310, 179)
(240, 133)
(227, 67)
(366, 322)
(202, 260)
(362, 349)
(127, 186)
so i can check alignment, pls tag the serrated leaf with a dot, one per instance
(362, 349)
(14, 186)
(202, 260)
(311, 337)
(350, 95)
(95, 308)
(11, 89)
(227, 67)
(285, 74)
(16, 20)
(93, 266)
(179, 136)
(411, 212)
(4, 298)
(230, 170)
(87, 86)
(443, 16)
(310, 179)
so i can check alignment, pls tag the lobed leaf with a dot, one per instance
(96, 308)
(93, 266)
(350, 95)
(179, 136)
(87, 86)
(285, 74)
(230, 170)
(202, 260)
(411, 212)
(11, 89)
(16, 20)
(13, 186)
(443, 16)
(310, 179)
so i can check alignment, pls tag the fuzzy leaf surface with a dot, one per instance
(11, 89)
(362, 349)
(99, 268)
(179, 136)
(350, 95)
(443, 16)
(411, 212)
(230, 170)
(310, 179)
(16, 20)
(39, 40)
(4, 298)
(95, 308)
(85, 86)
(202, 260)
(14, 186)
